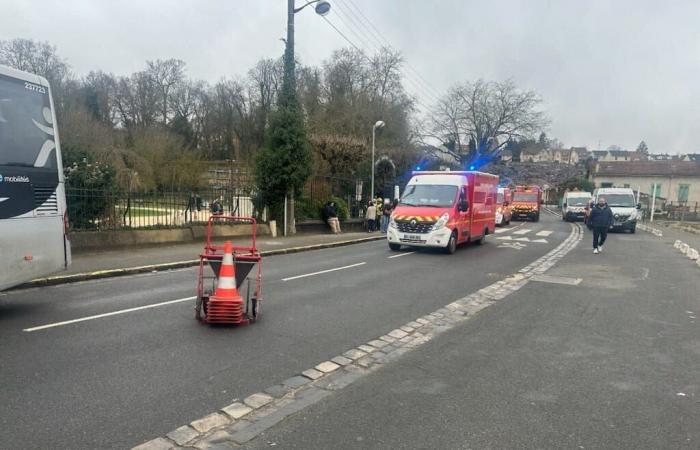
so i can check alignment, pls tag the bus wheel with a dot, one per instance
(452, 244)
(394, 247)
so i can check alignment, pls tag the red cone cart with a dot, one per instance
(221, 295)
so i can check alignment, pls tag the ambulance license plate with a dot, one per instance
(412, 237)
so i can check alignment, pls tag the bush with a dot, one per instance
(92, 186)
(341, 207)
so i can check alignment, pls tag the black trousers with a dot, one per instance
(600, 234)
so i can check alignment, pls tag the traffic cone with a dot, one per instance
(226, 305)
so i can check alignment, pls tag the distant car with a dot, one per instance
(622, 202)
(503, 206)
(574, 206)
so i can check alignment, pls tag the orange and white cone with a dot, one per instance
(226, 305)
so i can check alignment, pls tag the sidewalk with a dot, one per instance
(671, 234)
(102, 264)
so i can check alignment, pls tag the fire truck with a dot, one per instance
(527, 203)
(444, 209)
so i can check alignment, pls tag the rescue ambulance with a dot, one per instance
(504, 206)
(527, 202)
(444, 209)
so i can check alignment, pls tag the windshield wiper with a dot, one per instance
(430, 206)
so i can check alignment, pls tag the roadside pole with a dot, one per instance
(653, 201)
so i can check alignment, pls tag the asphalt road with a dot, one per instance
(117, 381)
(610, 363)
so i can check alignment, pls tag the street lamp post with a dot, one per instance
(378, 124)
(289, 85)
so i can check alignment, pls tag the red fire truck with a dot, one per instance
(527, 203)
(444, 209)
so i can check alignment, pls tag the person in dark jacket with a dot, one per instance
(600, 220)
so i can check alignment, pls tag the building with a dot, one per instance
(676, 181)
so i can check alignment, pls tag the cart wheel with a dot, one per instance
(253, 311)
(201, 308)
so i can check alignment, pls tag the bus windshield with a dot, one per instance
(619, 200)
(25, 124)
(525, 197)
(429, 195)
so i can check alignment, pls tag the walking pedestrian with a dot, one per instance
(371, 216)
(600, 220)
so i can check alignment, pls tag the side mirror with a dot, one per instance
(463, 205)
(639, 206)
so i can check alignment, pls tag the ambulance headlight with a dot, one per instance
(441, 222)
(392, 223)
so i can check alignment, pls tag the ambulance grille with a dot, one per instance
(419, 227)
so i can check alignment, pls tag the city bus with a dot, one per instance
(33, 222)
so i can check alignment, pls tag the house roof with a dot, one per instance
(598, 153)
(579, 150)
(693, 156)
(649, 168)
(619, 153)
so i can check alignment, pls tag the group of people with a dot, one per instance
(378, 214)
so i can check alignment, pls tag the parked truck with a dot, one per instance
(444, 209)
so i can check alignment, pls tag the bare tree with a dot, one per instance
(489, 113)
(165, 75)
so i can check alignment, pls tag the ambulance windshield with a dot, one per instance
(435, 195)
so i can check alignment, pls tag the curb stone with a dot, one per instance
(113, 273)
(320, 384)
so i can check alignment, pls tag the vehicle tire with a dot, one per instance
(451, 244)
(633, 229)
(536, 218)
(394, 247)
(508, 222)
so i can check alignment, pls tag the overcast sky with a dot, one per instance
(613, 72)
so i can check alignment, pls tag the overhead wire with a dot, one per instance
(379, 38)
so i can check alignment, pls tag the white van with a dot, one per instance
(624, 209)
(574, 205)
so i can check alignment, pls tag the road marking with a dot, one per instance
(557, 280)
(524, 231)
(543, 233)
(523, 239)
(504, 238)
(541, 241)
(501, 230)
(513, 245)
(113, 313)
(402, 254)
(323, 271)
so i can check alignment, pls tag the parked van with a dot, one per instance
(503, 206)
(444, 209)
(574, 205)
(623, 205)
(527, 202)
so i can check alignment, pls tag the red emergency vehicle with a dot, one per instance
(527, 203)
(444, 209)
(504, 206)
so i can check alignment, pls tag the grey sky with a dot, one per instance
(609, 71)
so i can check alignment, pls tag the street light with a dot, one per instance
(378, 124)
(322, 8)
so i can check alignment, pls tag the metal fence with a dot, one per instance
(354, 192)
(113, 210)
(670, 210)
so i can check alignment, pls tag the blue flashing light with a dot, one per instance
(417, 167)
(472, 167)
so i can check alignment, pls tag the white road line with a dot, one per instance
(323, 271)
(400, 255)
(501, 230)
(524, 231)
(113, 313)
(543, 233)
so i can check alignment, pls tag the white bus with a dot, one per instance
(33, 221)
